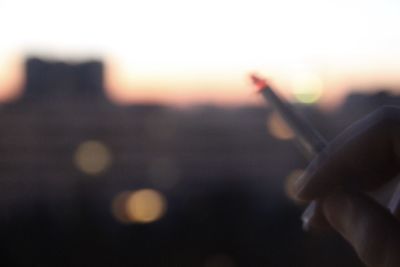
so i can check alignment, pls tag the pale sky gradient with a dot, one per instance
(184, 51)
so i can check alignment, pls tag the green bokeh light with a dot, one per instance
(310, 97)
(307, 88)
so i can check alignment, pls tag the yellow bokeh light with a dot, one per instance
(145, 206)
(141, 206)
(278, 128)
(290, 181)
(307, 88)
(92, 157)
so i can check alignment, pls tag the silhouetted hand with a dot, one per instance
(361, 159)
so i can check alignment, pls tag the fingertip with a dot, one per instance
(305, 188)
(308, 186)
(301, 188)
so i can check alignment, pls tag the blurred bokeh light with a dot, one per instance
(307, 88)
(141, 206)
(278, 128)
(290, 181)
(92, 157)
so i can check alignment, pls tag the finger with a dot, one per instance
(368, 227)
(363, 157)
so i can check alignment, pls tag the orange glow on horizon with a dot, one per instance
(11, 79)
(220, 87)
(177, 88)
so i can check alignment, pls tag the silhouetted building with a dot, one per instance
(50, 80)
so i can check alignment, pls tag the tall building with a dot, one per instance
(49, 80)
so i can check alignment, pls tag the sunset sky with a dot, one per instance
(183, 51)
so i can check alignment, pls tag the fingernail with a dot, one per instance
(307, 215)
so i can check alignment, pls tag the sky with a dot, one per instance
(185, 51)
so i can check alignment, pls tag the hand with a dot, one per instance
(361, 159)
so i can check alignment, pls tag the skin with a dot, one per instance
(361, 159)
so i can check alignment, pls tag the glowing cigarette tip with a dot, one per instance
(259, 82)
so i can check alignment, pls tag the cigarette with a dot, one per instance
(311, 141)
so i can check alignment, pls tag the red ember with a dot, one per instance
(259, 82)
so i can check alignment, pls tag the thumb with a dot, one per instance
(372, 231)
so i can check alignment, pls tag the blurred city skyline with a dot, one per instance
(88, 183)
(185, 52)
